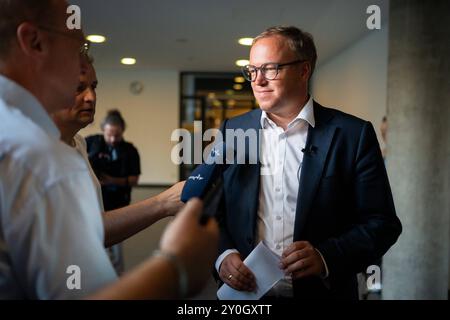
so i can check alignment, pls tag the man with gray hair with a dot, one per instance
(51, 229)
(326, 209)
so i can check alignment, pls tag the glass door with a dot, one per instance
(211, 98)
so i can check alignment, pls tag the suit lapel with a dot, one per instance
(318, 143)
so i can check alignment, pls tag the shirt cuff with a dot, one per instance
(326, 273)
(222, 257)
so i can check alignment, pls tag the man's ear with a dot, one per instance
(30, 39)
(306, 71)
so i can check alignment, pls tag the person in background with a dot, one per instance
(116, 164)
(115, 161)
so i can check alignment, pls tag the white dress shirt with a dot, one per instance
(281, 163)
(50, 218)
(281, 151)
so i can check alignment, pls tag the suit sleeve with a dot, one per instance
(225, 242)
(377, 227)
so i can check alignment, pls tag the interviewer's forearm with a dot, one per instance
(120, 224)
(156, 278)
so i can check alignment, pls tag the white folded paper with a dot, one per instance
(264, 265)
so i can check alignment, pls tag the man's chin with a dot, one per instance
(266, 107)
(85, 121)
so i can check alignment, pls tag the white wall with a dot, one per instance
(355, 81)
(150, 116)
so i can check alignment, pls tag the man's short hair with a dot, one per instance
(302, 43)
(15, 12)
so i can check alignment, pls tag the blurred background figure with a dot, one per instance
(115, 161)
(116, 164)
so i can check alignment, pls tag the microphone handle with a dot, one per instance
(211, 201)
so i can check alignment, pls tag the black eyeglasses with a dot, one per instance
(269, 70)
(84, 48)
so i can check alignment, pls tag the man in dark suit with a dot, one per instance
(325, 206)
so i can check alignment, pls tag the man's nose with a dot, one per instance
(90, 96)
(260, 79)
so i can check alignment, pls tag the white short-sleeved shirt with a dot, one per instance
(115, 251)
(51, 230)
(80, 146)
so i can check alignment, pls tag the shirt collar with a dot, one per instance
(306, 114)
(18, 97)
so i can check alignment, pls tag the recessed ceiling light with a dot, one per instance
(128, 61)
(239, 79)
(241, 63)
(245, 41)
(237, 87)
(96, 38)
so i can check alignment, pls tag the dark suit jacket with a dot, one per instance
(344, 207)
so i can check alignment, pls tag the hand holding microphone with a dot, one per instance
(206, 182)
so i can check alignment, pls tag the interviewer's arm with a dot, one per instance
(193, 245)
(120, 224)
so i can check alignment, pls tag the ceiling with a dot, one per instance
(201, 35)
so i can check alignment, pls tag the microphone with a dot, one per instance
(206, 183)
(206, 174)
(310, 150)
